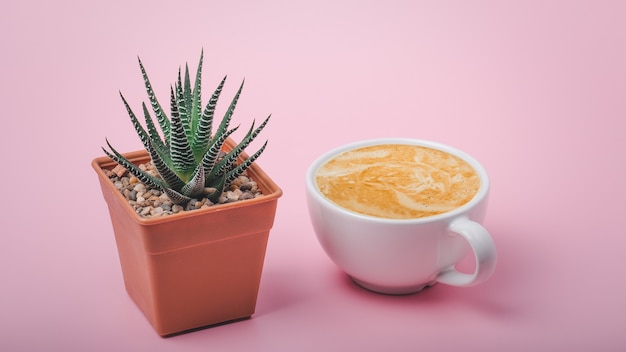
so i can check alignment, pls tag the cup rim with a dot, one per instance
(314, 191)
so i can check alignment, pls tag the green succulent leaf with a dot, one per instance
(218, 184)
(183, 109)
(202, 135)
(230, 159)
(188, 99)
(196, 104)
(229, 113)
(176, 197)
(208, 161)
(164, 122)
(173, 108)
(249, 137)
(195, 186)
(239, 169)
(180, 152)
(167, 174)
(155, 138)
(133, 169)
(143, 135)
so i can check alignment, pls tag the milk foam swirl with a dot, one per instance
(398, 181)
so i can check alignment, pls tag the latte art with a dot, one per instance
(397, 181)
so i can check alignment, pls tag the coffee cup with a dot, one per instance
(398, 215)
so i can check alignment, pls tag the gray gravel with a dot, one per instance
(152, 202)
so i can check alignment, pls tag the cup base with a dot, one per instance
(395, 291)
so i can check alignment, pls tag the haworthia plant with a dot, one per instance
(183, 149)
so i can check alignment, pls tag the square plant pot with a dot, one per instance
(195, 268)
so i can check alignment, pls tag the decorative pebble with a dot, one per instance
(232, 196)
(156, 211)
(208, 190)
(246, 195)
(119, 170)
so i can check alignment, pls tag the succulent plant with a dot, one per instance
(185, 153)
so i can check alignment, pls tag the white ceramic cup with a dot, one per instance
(404, 256)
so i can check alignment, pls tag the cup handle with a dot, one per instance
(484, 250)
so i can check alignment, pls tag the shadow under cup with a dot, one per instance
(403, 256)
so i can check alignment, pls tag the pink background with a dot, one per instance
(535, 90)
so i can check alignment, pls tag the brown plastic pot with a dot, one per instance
(196, 268)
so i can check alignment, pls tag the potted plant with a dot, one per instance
(185, 268)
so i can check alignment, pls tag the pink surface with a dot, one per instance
(534, 90)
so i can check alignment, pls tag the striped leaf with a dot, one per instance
(208, 161)
(180, 152)
(196, 104)
(155, 138)
(167, 174)
(134, 169)
(230, 159)
(237, 171)
(183, 110)
(202, 134)
(239, 148)
(195, 187)
(143, 135)
(176, 197)
(164, 122)
(219, 184)
(229, 113)
(187, 97)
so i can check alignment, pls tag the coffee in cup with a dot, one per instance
(397, 215)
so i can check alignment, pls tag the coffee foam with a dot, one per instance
(398, 181)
